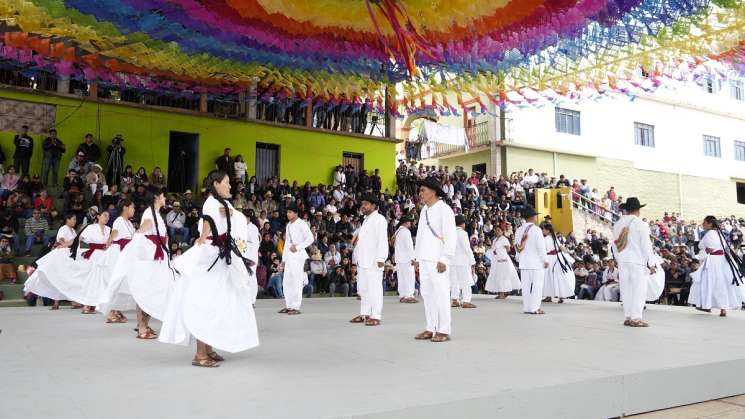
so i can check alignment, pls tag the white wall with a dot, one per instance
(680, 118)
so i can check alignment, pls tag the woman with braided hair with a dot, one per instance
(212, 301)
(117, 298)
(718, 282)
(560, 279)
(143, 267)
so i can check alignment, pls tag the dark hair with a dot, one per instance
(151, 196)
(735, 263)
(70, 215)
(123, 204)
(76, 243)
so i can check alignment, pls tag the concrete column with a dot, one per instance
(63, 85)
(93, 90)
(242, 103)
(494, 152)
(252, 93)
(203, 102)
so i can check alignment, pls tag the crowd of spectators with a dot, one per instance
(331, 209)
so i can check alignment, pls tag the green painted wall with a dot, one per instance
(305, 155)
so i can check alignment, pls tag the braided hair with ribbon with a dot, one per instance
(227, 246)
(734, 262)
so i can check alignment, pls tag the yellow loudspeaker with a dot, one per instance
(556, 203)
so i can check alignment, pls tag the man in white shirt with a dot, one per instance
(632, 248)
(404, 259)
(298, 237)
(461, 272)
(252, 254)
(370, 253)
(175, 220)
(434, 251)
(533, 260)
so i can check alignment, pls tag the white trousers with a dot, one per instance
(406, 279)
(633, 280)
(460, 282)
(435, 289)
(370, 289)
(532, 283)
(292, 283)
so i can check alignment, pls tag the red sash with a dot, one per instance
(715, 252)
(553, 253)
(122, 243)
(159, 255)
(217, 241)
(92, 247)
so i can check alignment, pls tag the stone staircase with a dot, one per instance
(584, 220)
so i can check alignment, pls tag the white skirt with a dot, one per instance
(49, 269)
(656, 283)
(712, 286)
(136, 275)
(502, 277)
(212, 306)
(116, 296)
(558, 283)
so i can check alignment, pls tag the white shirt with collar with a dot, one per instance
(297, 233)
(436, 236)
(637, 246)
(534, 254)
(372, 242)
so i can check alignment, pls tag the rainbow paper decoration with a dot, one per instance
(348, 51)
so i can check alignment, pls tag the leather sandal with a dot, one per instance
(372, 322)
(293, 312)
(215, 357)
(455, 304)
(440, 337)
(722, 314)
(426, 335)
(358, 319)
(283, 311)
(627, 322)
(205, 363)
(468, 305)
(705, 310)
(638, 323)
(147, 335)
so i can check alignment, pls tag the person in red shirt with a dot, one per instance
(43, 203)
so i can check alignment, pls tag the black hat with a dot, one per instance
(633, 204)
(406, 218)
(622, 206)
(433, 184)
(460, 219)
(528, 212)
(371, 198)
(292, 207)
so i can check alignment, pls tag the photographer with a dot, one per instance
(115, 163)
(53, 150)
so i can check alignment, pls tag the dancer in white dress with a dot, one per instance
(56, 261)
(212, 299)
(143, 267)
(503, 278)
(718, 282)
(117, 298)
(560, 279)
(90, 268)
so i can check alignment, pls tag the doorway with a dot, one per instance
(481, 168)
(267, 162)
(356, 160)
(182, 161)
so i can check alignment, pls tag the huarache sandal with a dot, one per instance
(372, 322)
(722, 314)
(122, 318)
(283, 311)
(440, 337)
(293, 312)
(147, 335)
(215, 357)
(205, 363)
(426, 335)
(638, 323)
(705, 310)
(110, 320)
(148, 330)
(358, 319)
(455, 303)
(561, 301)
(627, 322)
(468, 305)
(412, 300)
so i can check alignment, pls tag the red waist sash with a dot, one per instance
(217, 241)
(553, 253)
(715, 252)
(92, 247)
(159, 255)
(122, 243)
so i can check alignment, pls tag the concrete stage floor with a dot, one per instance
(578, 361)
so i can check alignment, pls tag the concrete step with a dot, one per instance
(12, 291)
(13, 303)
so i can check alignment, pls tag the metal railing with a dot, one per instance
(478, 135)
(597, 209)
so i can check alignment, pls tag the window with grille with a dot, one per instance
(567, 121)
(737, 90)
(740, 150)
(643, 134)
(711, 146)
